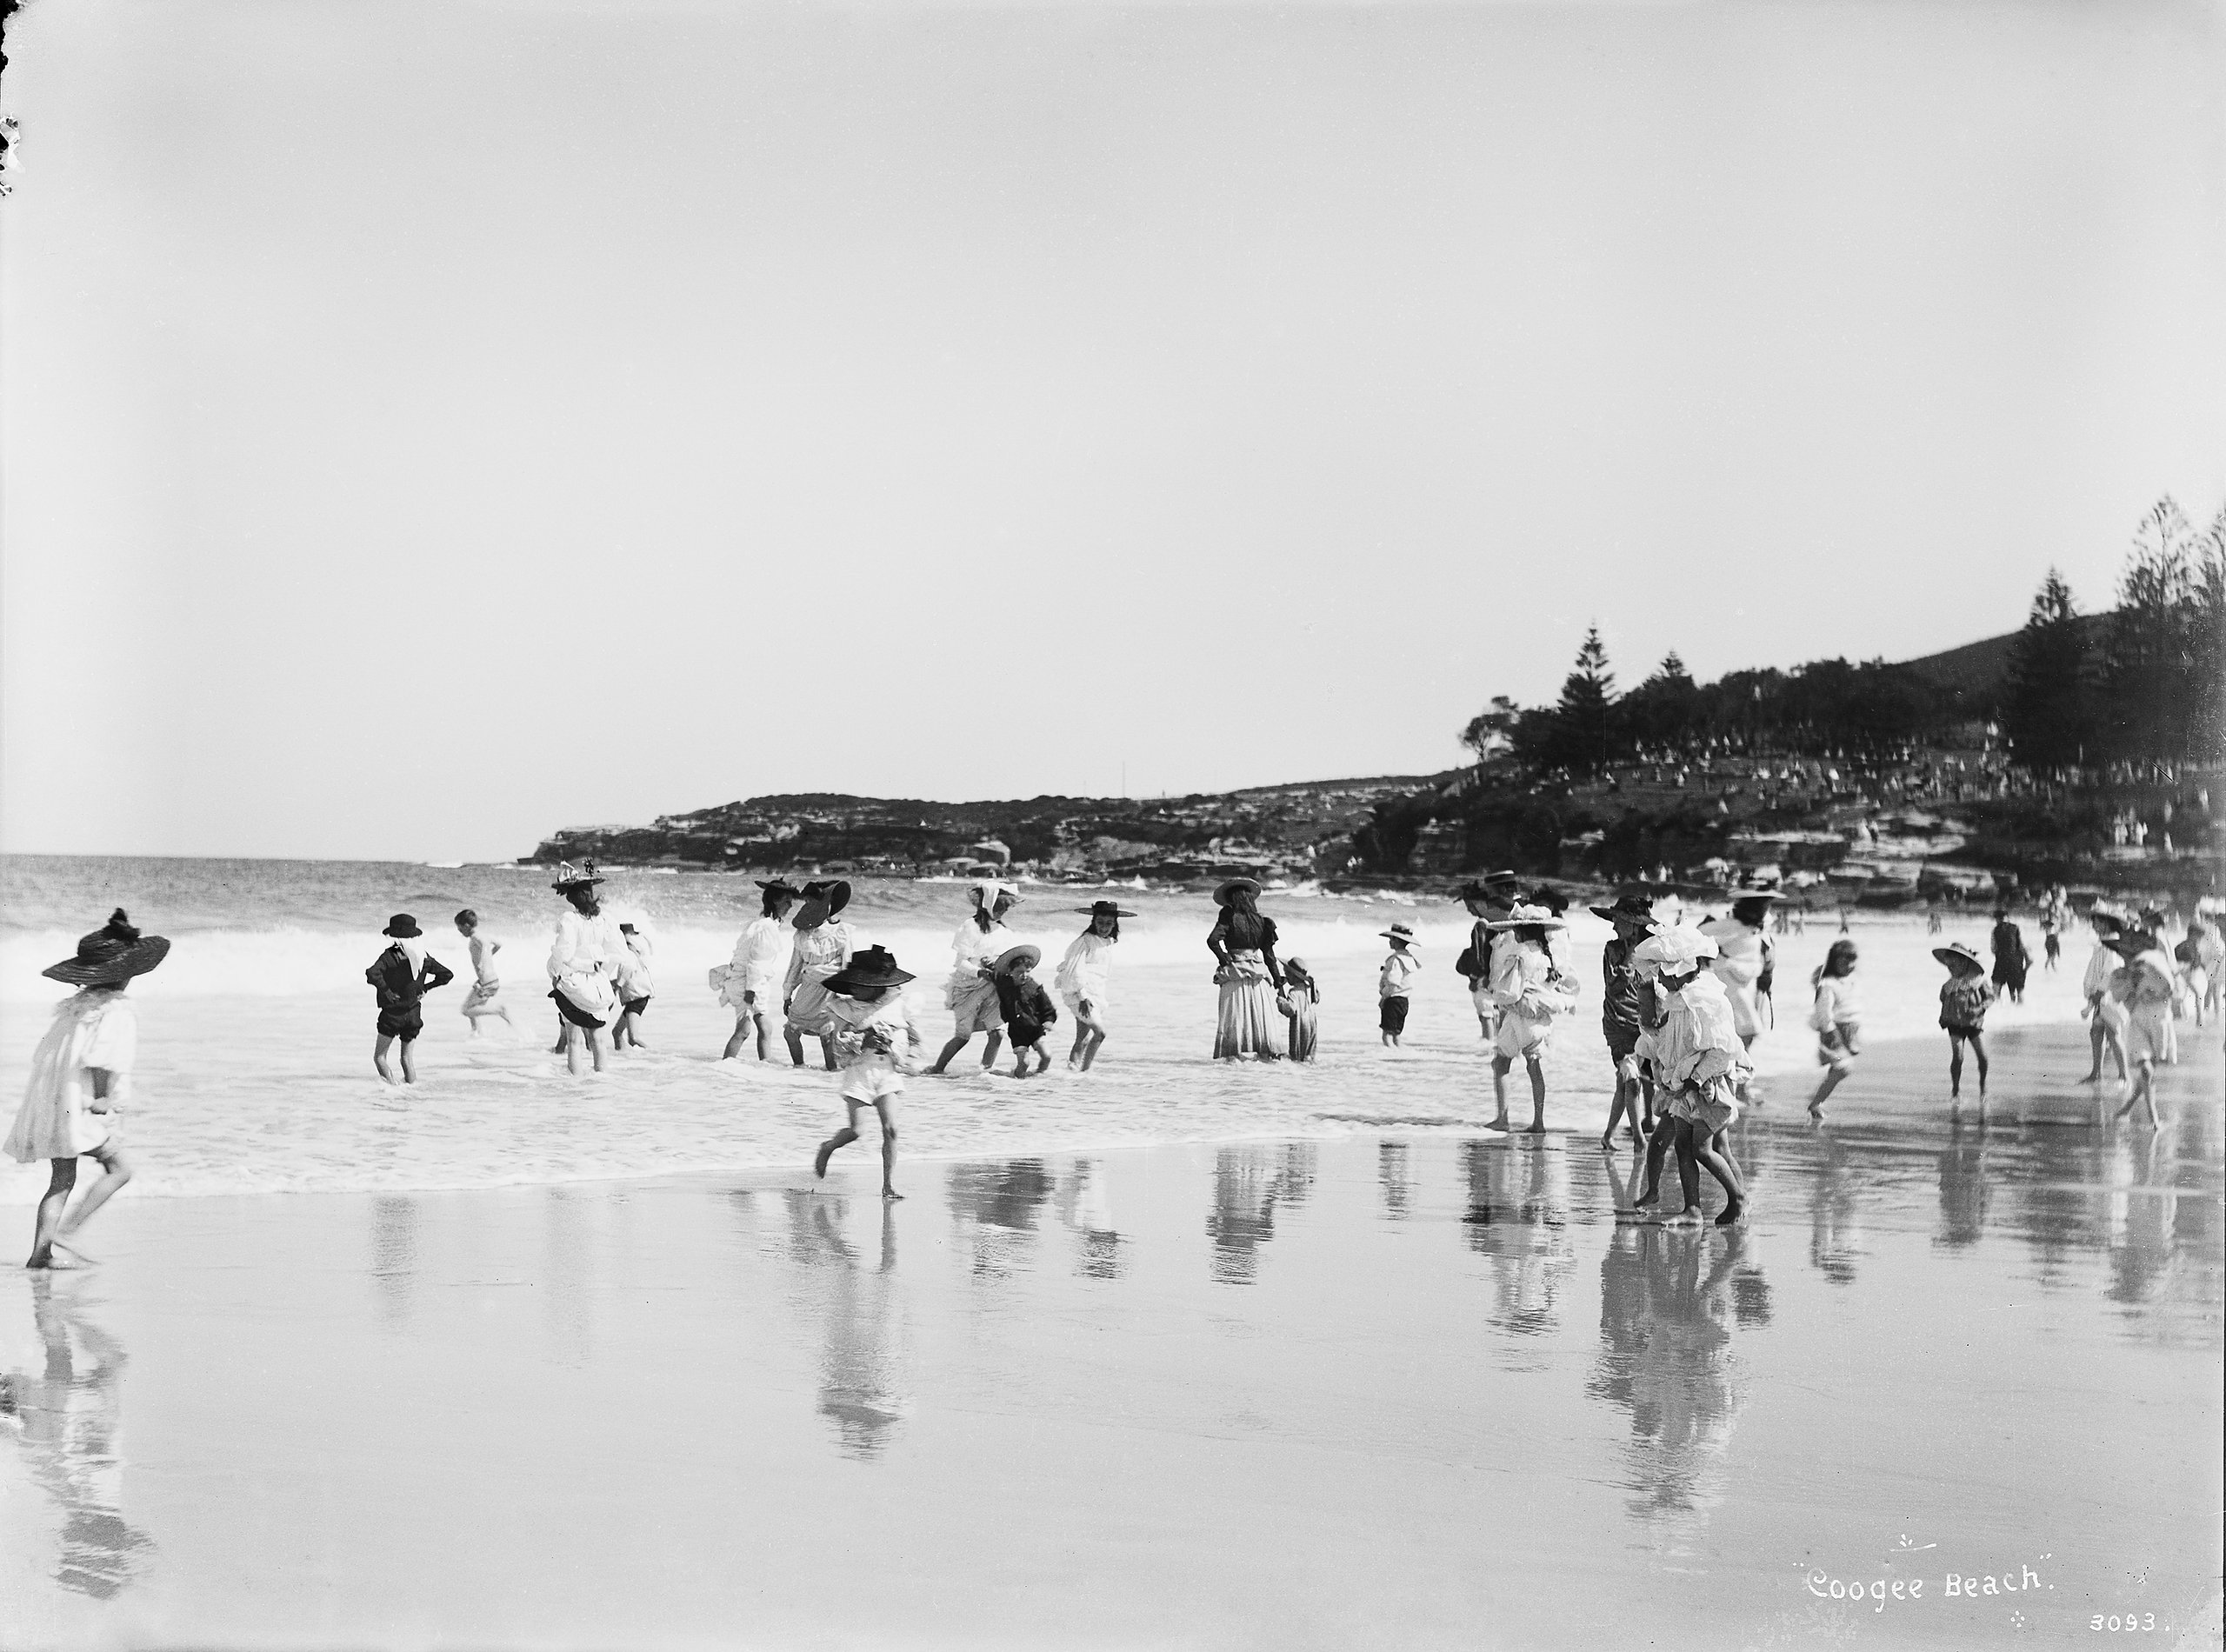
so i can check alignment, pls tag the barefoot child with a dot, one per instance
(1700, 1059)
(876, 1042)
(1530, 992)
(2145, 987)
(2104, 1015)
(635, 986)
(80, 1073)
(1391, 982)
(1024, 1007)
(1626, 1008)
(1298, 1001)
(484, 999)
(403, 974)
(1836, 1017)
(750, 985)
(1082, 978)
(1963, 1001)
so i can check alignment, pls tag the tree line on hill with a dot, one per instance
(2146, 684)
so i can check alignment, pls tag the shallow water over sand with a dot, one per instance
(1396, 1388)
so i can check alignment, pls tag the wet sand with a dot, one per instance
(1402, 1389)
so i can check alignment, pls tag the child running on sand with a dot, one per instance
(1963, 1000)
(1300, 997)
(2145, 987)
(1836, 1019)
(484, 999)
(80, 1073)
(1400, 968)
(1700, 1059)
(877, 1044)
(402, 976)
(1024, 1007)
(635, 986)
(1530, 992)
(1082, 978)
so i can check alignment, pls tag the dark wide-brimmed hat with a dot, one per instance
(1022, 957)
(777, 886)
(821, 900)
(113, 953)
(1249, 885)
(1741, 897)
(875, 967)
(1105, 909)
(1398, 932)
(1631, 906)
(568, 880)
(1491, 883)
(1956, 952)
(402, 926)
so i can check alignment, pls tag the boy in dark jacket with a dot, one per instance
(402, 976)
(1025, 1007)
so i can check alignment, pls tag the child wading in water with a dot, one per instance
(1627, 1010)
(484, 999)
(1530, 991)
(2145, 987)
(1300, 997)
(1700, 1059)
(1082, 978)
(635, 986)
(1026, 1008)
(404, 974)
(80, 1073)
(1400, 968)
(1836, 1018)
(876, 1044)
(1963, 1000)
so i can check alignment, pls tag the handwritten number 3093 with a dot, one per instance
(2130, 1620)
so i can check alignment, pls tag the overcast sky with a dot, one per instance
(427, 425)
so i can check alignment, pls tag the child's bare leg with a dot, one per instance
(1537, 1095)
(842, 1138)
(117, 1171)
(989, 1054)
(948, 1050)
(795, 1041)
(1688, 1175)
(1082, 1037)
(1955, 1068)
(1657, 1148)
(409, 1061)
(1646, 1093)
(1500, 1065)
(572, 1036)
(827, 1050)
(1097, 1043)
(1617, 1104)
(1832, 1076)
(887, 1112)
(1709, 1150)
(64, 1177)
(740, 1037)
(379, 1056)
(1978, 1054)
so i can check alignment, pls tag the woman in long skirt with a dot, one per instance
(970, 995)
(822, 951)
(1243, 945)
(81, 1073)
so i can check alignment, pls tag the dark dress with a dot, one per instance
(2010, 960)
(401, 991)
(1025, 1011)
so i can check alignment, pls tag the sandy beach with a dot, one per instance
(1383, 1390)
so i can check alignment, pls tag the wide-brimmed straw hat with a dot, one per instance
(1482, 887)
(1022, 955)
(874, 967)
(1293, 969)
(1250, 884)
(769, 884)
(402, 926)
(821, 900)
(568, 880)
(1956, 952)
(1526, 917)
(1398, 932)
(1105, 909)
(987, 891)
(114, 952)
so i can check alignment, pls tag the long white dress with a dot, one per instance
(96, 1026)
(1739, 956)
(1084, 973)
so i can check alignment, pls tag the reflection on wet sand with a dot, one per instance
(1085, 1204)
(1518, 1217)
(67, 1422)
(861, 1360)
(394, 1258)
(1834, 1235)
(1249, 1184)
(995, 1205)
(1393, 1177)
(1670, 1300)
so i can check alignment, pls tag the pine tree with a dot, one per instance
(1585, 715)
(2150, 668)
(2049, 708)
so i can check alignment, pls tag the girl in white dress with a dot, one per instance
(80, 1073)
(823, 951)
(971, 993)
(1082, 978)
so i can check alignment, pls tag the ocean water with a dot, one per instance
(257, 1033)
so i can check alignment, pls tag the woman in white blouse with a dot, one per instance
(1082, 979)
(971, 993)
